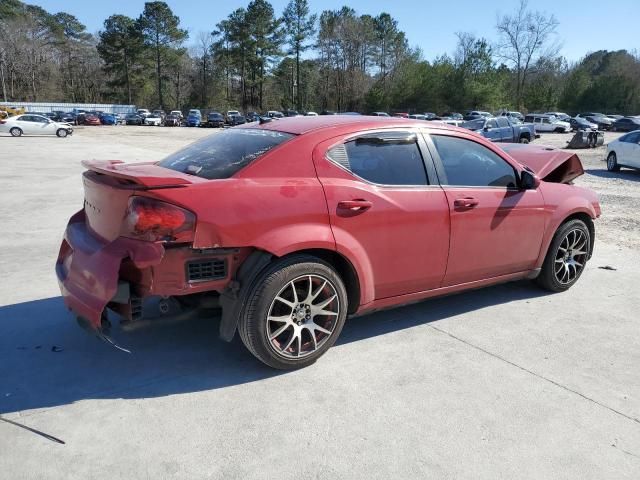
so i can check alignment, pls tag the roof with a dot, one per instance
(300, 125)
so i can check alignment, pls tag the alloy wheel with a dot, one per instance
(302, 316)
(571, 256)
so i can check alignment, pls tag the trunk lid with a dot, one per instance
(549, 164)
(109, 184)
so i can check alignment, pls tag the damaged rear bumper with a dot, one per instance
(88, 268)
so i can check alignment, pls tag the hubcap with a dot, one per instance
(302, 316)
(571, 256)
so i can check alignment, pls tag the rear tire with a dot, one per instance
(524, 140)
(62, 133)
(294, 312)
(612, 162)
(566, 257)
(15, 132)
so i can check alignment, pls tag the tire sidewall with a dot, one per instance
(16, 129)
(612, 162)
(62, 133)
(252, 323)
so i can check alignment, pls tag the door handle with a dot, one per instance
(357, 205)
(467, 202)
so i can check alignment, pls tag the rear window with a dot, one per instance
(223, 154)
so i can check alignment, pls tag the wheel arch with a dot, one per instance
(588, 221)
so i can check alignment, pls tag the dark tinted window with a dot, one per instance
(385, 159)
(223, 154)
(468, 163)
(631, 138)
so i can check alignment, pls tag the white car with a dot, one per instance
(624, 152)
(177, 113)
(560, 116)
(152, 119)
(143, 112)
(547, 123)
(30, 124)
(311, 114)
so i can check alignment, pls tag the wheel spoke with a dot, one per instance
(279, 331)
(294, 335)
(321, 305)
(285, 301)
(321, 329)
(312, 332)
(295, 294)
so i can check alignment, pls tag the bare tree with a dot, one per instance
(525, 37)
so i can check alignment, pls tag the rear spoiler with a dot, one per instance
(145, 175)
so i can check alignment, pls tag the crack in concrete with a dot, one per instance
(542, 377)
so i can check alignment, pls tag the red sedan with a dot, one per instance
(91, 120)
(292, 225)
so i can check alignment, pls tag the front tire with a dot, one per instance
(62, 133)
(15, 132)
(612, 162)
(566, 257)
(294, 312)
(524, 140)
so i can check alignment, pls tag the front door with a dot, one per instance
(496, 228)
(384, 207)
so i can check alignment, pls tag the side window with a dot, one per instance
(492, 124)
(468, 163)
(546, 120)
(502, 122)
(383, 159)
(632, 138)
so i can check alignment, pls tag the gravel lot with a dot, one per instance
(505, 382)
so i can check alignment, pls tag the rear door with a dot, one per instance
(384, 206)
(496, 228)
(27, 124)
(506, 131)
(631, 150)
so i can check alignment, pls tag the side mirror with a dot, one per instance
(486, 128)
(528, 181)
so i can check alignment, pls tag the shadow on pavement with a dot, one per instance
(47, 360)
(624, 174)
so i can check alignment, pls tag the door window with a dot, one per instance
(467, 163)
(502, 122)
(384, 159)
(631, 138)
(492, 124)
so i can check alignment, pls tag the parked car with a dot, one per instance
(475, 114)
(430, 116)
(501, 129)
(34, 125)
(271, 114)
(143, 112)
(161, 113)
(91, 120)
(380, 114)
(417, 116)
(177, 113)
(108, 119)
(615, 117)
(560, 116)
(312, 114)
(451, 116)
(252, 116)
(599, 119)
(291, 113)
(153, 119)
(214, 119)
(236, 120)
(624, 152)
(401, 115)
(506, 113)
(133, 119)
(194, 120)
(328, 112)
(285, 273)
(195, 111)
(171, 121)
(580, 123)
(626, 124)
(547, 123)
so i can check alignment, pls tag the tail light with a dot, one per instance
(155, 221)
(2, 122)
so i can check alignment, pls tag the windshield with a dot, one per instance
(474, 124)
(223, 154)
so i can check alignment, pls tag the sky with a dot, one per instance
(585, 25)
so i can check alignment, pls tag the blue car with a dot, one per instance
(108, 119)
(194, 121)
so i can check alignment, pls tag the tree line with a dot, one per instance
(339, 60)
